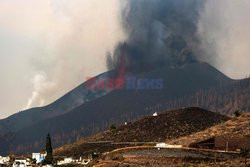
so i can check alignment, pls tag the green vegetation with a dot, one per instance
(112, 127)
(237, 113)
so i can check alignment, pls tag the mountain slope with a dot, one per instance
(118, 106)
(236, 127)
(66, 103)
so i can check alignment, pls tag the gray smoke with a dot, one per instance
(159, 32)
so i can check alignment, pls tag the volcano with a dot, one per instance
(83, 112)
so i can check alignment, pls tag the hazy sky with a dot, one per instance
(225, 27)
(48, 47)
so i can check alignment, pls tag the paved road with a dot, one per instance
(174, 152)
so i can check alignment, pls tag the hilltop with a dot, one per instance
(167, 125)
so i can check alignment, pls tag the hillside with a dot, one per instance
(66, 103)
(180, 85)
(225, 99)
(236, 127)
(168, 125)
(116, 107)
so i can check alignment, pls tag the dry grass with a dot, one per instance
(236, 127)
(141, 161)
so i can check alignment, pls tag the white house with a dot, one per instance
(20, 163)
(38, 157)
(4, 160)
(70, 160)
(165, 145)
(66, 161)
(155, 114)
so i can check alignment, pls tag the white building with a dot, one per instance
(4, 160)
(155, 114)
(38, 157)
(165, 145)
(66, 161)
(20, 163)
(70, 160)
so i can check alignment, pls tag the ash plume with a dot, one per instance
(159, 33)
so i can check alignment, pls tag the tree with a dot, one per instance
(49, 150)
(112, 127)
(237, 113)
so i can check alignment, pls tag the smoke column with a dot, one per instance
(159, 32)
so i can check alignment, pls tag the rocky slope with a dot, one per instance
(236, 127)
